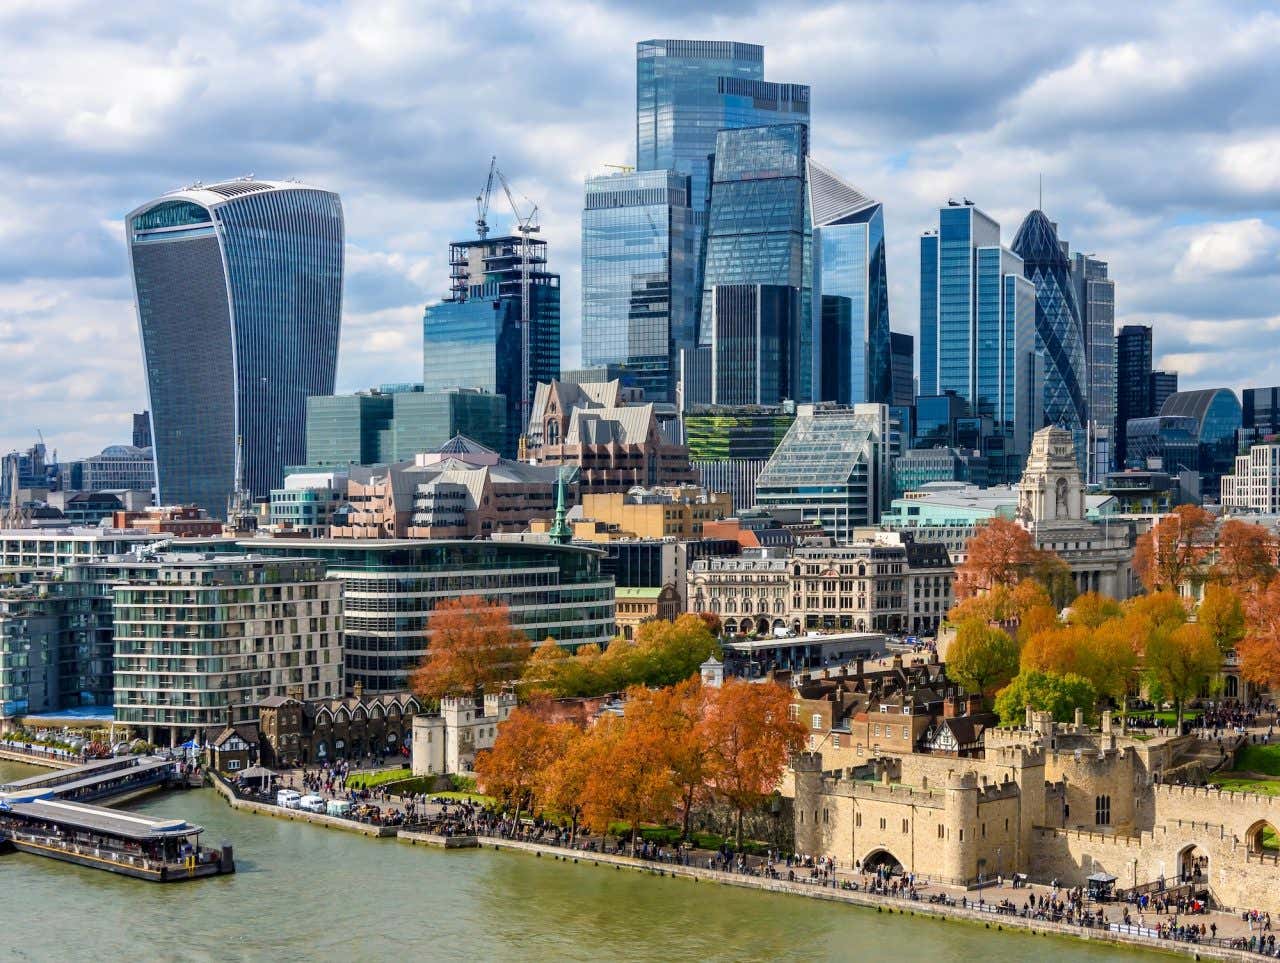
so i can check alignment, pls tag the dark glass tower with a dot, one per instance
(1059, 332)
(754, 343)
(239, 297)
(1133, 384)
(473, 339)
(759, 229)
(639, 299)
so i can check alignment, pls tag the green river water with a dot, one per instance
(305, 893)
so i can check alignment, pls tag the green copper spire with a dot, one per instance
(560, 533)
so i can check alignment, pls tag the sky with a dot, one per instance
(1156, 129)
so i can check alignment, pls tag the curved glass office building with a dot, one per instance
(1059, 330)
(1217, 414)
(238, 287)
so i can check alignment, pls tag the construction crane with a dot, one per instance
(526, 224)
(482, 201)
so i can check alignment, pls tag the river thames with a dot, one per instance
(306, 893)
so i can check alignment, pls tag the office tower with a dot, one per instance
(379, 428)
(473, 338)
(142, 429)
(902, 349)
(1261, 411)
(936, 420)
(689, 90)
(977, 333)
(832, 468)
(239, 298)
(1217, 415)
(851, 291)
(639, 296)
(1096, 298)
(1059, 333)
(1133, 384)
(30, 469)
(754, 344)
(758, 231)
(1163, 385)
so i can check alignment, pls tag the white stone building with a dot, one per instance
(1255, 484)
(447, 742)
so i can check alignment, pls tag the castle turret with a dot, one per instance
(960, 860)
(807, 768)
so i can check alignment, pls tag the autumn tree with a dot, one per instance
(1058, 694)
(1108, 658)
(514, 767)
(1246, 555)
(1181, 663)
(1053, 575)
(1056, 649)
(1092, 609)
(471, 644)
(750, 736)
(677, 712)
(982, 658)
(562, 784)
(1259, 650)
(1222, 615)
(714, 625)
(630, 778)
(1175, 549)
(1001, 552)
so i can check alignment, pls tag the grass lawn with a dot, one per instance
(1241, 783)
(475, 797)
(368, 780)
(1259, 759)
(1168, 718)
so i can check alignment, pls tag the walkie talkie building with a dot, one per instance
(238, 287)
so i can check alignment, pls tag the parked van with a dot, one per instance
(338, 807)
(311, 803)
(288, 798)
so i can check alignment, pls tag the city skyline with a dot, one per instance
(1157, 172)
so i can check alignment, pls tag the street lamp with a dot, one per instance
(982, 862)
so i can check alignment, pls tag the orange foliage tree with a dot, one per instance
(562, 783)
(1175, 549)
(1181, 663)
(471, 645)
(678, 713)
(750, 736)
(1001, 552)
(630, 778)
(1246, 555)
(525, 746)
(1259, 650)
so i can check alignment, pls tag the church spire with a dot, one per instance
(560, 533)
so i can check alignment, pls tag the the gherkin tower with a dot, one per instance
(1059, 332)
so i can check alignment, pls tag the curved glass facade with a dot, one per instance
(1059, 332)
(239, 297)
(639, 300)
(1217, 416)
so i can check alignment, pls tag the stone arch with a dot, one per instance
(881, 858)
(377, 711)
(1231, 687)
(762, 626)
(731, 626)
(1193, 864)
(1263, 838)
(324, 717)
(342, 715)
(359, 715)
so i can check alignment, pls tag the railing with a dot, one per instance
(100, 852)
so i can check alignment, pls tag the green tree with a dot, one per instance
(1222, 615)
(1182, 663)
(982, 658)
(1058, 694)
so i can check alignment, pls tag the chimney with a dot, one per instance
(950, 707)
(1106, 722)
(1079, 718)
(358, 690)
(974, 705)
(1030, 720)
(857, 668)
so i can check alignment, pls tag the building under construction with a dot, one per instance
(476, 339)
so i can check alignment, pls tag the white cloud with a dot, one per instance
(1155, 130)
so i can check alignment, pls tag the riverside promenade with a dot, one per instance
(988, 915)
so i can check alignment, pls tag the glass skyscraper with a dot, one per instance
(754, 344)
(1059, 331)
(1096, 297)
(852, 291)
(1133, 384)
(687, 91)
(639, 298)
(977, 332)
(239, 296)
(759, 227)
(473, 339)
